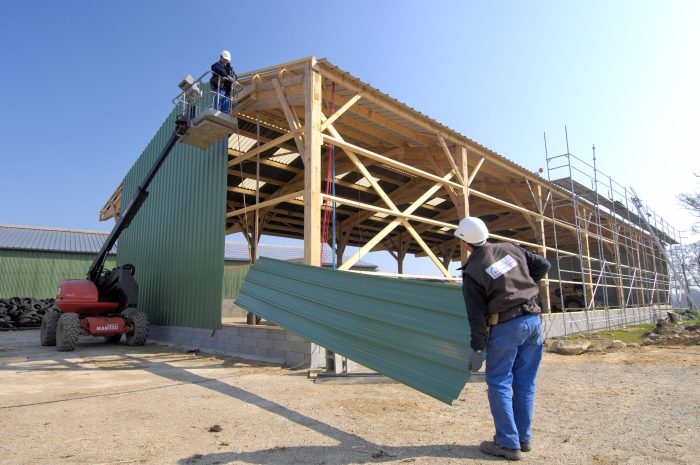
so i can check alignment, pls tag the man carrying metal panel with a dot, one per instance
(222, 80)
(499, 283)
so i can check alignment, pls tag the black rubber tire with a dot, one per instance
(139, 321)
(48, 328)
(572, 303)
(67, 332)
(113, 338)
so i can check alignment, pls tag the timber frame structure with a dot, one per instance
(403, 181)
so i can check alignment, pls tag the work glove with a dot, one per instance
(476, 359)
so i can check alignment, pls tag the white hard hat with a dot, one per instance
(226, 54)
(472, 231)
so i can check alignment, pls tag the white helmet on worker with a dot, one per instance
(472, 231)
(226, 55)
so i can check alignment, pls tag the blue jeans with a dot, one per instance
(222, 101)
(513, 355)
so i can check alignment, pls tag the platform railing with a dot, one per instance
(197, 96)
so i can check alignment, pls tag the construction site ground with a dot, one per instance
(114, 404)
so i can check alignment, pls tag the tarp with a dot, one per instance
(415, 332)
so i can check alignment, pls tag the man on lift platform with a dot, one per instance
(222, 81)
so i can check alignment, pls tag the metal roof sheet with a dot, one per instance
(51, 239)
(414, 332)
(89, 242)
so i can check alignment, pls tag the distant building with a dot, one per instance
(33, 260)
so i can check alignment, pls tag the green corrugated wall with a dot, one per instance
(233, 280)
(177, 240)
(29, 273)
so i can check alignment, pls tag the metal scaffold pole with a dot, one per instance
(642, 214)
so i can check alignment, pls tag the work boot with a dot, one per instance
(526, 446)
(491, 448)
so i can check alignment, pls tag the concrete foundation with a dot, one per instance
(272, 344)
(564, 324)
(230, 310)
(261, 343)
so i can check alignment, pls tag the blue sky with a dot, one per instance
(86, 84)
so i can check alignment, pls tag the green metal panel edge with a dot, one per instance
(176, 241)
(413, 331)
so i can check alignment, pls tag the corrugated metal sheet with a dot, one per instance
(233, 281)
(29, 273)
(51, 239)
(177, 240)
(415, 332)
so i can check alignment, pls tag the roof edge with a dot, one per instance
(51, 228)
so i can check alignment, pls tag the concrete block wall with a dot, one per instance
(564, 324)
(261, 343)
(229, 309)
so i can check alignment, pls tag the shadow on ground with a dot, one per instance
(351, 448)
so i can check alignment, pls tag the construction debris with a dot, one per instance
(665, 333)
(569, 347)
(18, 312)
(670, 334)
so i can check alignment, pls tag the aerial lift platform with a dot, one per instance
(96, 305)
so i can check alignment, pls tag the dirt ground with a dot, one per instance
(107, 404)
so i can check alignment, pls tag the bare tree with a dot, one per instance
(690, 262)
(691, 202)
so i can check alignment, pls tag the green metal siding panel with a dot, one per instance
(233, 281)
(176, 241)
(27, 273)
(415, 332)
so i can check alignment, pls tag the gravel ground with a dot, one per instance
(112, 404)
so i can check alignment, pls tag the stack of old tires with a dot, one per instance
(18, 312)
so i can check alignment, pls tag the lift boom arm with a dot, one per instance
(136, 203)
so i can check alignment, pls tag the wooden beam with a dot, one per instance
(391, 226)
(544, 283)
(448, 189)
(475, 171)
(517, 202)
(373, 208)
(387, 123)
(362, 168)
(426, 249)
(339, 112)
(292, 119)
(388, 161)
(450, 158)
(273, 143)
(464, 210)
(312, 167)
(266, 203)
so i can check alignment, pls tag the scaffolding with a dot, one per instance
(607, 267)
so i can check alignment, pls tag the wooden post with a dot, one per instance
(544, 284)
(640, 291)
(312, 185)
(312, 166)
(587, 277)
(464, 207)
(618, 268)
